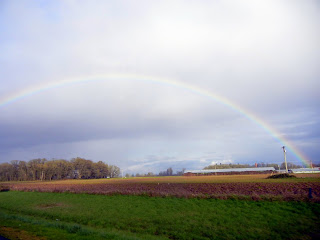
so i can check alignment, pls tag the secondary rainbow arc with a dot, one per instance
(222, 100)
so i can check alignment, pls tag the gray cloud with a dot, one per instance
(262, 56)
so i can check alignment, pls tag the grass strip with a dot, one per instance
(49, 229)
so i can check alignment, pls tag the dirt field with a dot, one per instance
(256, 187)
(312, 177)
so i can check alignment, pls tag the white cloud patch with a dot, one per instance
(223, 161)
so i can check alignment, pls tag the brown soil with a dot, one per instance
(13, 233)
(297, 191)
(307, 175)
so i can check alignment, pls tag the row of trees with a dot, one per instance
(168, 172)
(43, 169)
(276, 166)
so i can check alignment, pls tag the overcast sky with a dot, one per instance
(261, 55)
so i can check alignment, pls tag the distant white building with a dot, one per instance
(230, 171)
(305, 170)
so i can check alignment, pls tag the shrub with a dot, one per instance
(282, 175)
(4, 188)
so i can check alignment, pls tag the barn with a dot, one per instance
(230, 171)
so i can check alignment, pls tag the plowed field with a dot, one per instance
(297, 189)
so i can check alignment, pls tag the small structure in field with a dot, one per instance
(230, 171)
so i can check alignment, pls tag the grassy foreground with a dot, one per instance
(83, 216)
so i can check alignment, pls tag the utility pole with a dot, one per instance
(285, 158)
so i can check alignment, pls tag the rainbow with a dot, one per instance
(27, 92)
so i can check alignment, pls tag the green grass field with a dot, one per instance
(83, 216)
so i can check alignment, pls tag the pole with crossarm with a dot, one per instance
(285, 158)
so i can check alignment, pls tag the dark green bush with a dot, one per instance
(282, 175)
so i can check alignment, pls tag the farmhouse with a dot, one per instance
(230, 171)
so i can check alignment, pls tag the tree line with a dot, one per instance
(168, 172)
(43, 169)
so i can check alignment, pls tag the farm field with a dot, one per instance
(84, 216)
(311, 177)
(208, 207)
(253, 187)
